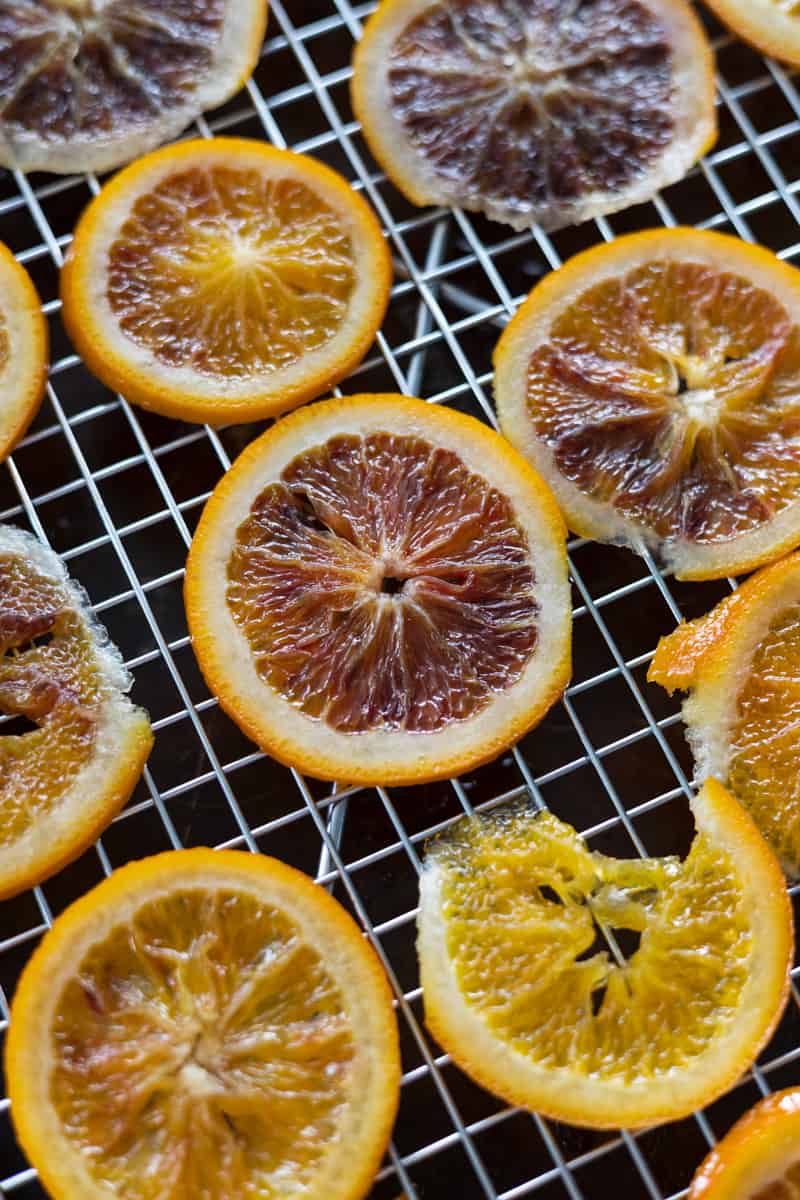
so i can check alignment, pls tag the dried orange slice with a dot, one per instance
(772, 26)
(759, 1158)
(655, 383)
(75, 745)
(548, 112)
(520, 987)
(204, 1024)
(377, 592)
(741, 666)
(225, 281)
(91, 84)
(23, 351)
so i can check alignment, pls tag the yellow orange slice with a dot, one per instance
(655, 383)
(23, 351)
(772, 26)
(741, 667)
(73, 747)
(225, 281)
(520, 986)
(204, 1024)
(759, 1158)
(91, 84)
(377, 592)
(532, 112)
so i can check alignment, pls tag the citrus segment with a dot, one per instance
(23, 351)
(772, 26)
(377, 591)
(535, 111)
(207, 1024)
(741, 665)
(225, 281)
(91, 84)
(654, 381)
(758, 1159)
(516, 930)
(73, 746)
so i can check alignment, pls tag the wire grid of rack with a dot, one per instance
(117, 493)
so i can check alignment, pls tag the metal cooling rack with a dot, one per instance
(117, 493)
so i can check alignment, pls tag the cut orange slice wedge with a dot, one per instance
(655, 383)
(772, 26)
(73, 746)
(517, 924)
(532, 112)
(91, 84)
(204, 1024)
(23, 351)
(759, 1158)
(377, 592)
(741, 666)
(225, 281)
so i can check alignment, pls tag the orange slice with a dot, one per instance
(74, 747)
(741, 666)
(91, 84)
(23, 351)
(759, 1158)
(204, 1024)
(772, 26)
(225, 281)
(520, 987)
(531, 112)
(655, 383)
(377, 592)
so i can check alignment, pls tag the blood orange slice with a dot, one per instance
(655, 382)
(537, 110)
(90, 84)
(377, 592)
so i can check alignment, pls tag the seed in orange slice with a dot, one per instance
(204, 1024)
(225, 281)
(516, 922)
(741, 666)
(539, 111)
(23, 351)
(655, 383)
(91, 84)
(74, 746)
(772, 26)
(759, 1158)
(377, 592)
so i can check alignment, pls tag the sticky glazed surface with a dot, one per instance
(536, 103)
(671, 393)
(230, 272)
(382, 585)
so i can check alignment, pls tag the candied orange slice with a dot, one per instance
(225, 281)
(655, 383)
(377, 592)
(538, 111)
(772, 26)
(759, 1158)
(23, 351)
(741, 667)
(204, 1024)
(517, 924)
(74, 746)
(91, 84)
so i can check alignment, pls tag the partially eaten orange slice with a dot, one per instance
(655, 383)
(759, 1158)
(377, 592)
(534, 112)
(91, 84)
(527, 987)
(204, 1024)
(225, 281)
(73, 746)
